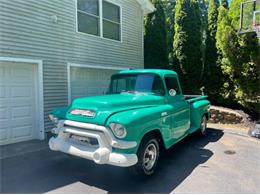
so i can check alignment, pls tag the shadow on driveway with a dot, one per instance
(44, 171)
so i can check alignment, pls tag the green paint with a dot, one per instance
(141, 113)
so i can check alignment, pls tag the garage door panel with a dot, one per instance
(3, 113)
(21, 120)
(21, 101)
(2, 79)
(21, 91)
(2, 73)
(3, 134)
(21, 112)
(4, 128)
(22, 80)
(3, 92)
(18, 95)
(22, 72)
(89, 81)
(21, 132)
(4, 123)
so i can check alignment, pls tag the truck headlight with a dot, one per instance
(54, 119)
(118, 129)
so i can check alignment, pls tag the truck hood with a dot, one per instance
(107, 105)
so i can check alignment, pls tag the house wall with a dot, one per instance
(27, 31)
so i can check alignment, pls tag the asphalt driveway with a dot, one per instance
(221, 162)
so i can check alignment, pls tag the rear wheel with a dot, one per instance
(203, 126)
(148, 155)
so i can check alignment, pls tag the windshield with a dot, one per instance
(136, 83)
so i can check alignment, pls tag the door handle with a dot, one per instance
(164, 114)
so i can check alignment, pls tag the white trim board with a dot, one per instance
(40, 105)
(102, 67)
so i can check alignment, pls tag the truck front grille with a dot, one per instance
(83, 140)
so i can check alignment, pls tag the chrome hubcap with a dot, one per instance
(149, 158)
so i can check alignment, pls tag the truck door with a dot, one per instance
(180, 112)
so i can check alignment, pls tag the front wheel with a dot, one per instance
(148, 155)
(203, 126)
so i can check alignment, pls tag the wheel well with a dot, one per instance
(157, 134)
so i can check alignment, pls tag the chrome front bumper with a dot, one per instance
(100, 153)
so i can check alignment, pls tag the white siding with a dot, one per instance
(27, 31)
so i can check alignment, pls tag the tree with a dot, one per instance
(240, 60)
(155, 39)
(187, 44)
(226, 92)
(204, 4)
(169, 7)
(224, 3)
(213, 79)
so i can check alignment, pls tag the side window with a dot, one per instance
(172, 83)
(158, 86)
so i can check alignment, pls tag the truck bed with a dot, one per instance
(199, 105)
(193, 98)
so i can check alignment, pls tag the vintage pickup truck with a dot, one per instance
(142, 112)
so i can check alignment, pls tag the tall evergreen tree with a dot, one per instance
(227, 90)
(169, 7)
(187, 44)
(224, 3)
(204, 4)
(213, 79)
(240, 56)
(155, 39)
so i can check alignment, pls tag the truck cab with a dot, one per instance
(142, 112)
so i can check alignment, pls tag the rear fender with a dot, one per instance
(198, 110)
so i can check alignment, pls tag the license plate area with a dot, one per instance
(84, 140)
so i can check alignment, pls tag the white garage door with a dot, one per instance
(89, 81)
(17, 102)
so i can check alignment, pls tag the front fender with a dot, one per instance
(60, 113)
(141, 121)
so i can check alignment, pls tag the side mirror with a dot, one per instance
(172, 92)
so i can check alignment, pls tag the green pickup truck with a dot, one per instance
(142, 113)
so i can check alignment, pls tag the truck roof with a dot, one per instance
(155, 71)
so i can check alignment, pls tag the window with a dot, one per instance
(111, 21)
(136, 83)
(172, 83)
(91, 16)
(88, 17)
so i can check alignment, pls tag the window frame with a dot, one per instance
(178, 82)
(101, 18)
